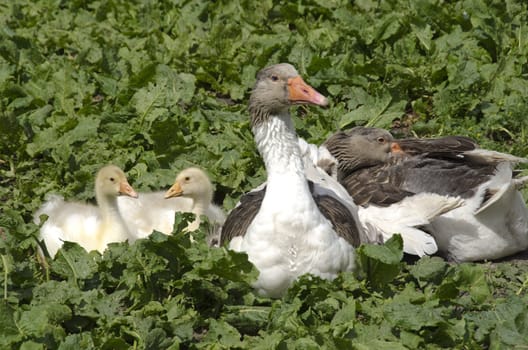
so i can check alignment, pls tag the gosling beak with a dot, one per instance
(174, 191)
(301, 93)
(126, 189)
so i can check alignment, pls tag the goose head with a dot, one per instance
(192, 183)
(361, 147)
(278, 87)
(111, 181)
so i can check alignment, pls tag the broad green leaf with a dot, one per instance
(247, 318)
(72, 262)
(114, 343)
(410, 340)
(472, 278)
(11, 333)
(346, 314)
(429, 269)
(381, 264)
(379, 344)
(424, 35)
(43, 320)
(31, 345)
(76, 341)
(221, 333)
(414, 317)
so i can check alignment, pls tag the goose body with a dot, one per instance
(152, 212)
(288, 235)
(491, 224)
(92, 227)
(486, 228)
(194, 184)
(379, 223)
(192, 192)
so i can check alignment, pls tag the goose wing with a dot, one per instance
(239, 219)
(448, 147)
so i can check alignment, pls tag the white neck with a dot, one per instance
(114, 227)
(278, 145)
(199, 206)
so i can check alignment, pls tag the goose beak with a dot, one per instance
(301, 93)
(174, 191)
(396, 149)
(126, 189)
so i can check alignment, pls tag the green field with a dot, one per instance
(157, 86)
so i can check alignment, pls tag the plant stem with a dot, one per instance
(524, 285)
(4, 262)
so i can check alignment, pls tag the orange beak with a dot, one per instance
(126, 189)
(301, 93)
(174, 191)
(395, 148)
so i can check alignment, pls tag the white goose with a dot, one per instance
(192, 192)
(287, 236)
(90, 226)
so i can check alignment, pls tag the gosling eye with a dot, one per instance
(274, 78)
(112, 179)
(187, 178)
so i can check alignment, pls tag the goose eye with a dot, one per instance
(381, 140)
(274, 78)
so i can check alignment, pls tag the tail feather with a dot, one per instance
(406, 218)
(380, 229)
(486, 156)
(53, 201)
(421, 208)
(499, 185)
(520, 182)
(418, 242)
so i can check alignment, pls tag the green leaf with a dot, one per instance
(424, 34)
(248, 319)
(381, 263)
(429, 269)
(31, 345)
(410, 340)
(72, 262)
(344, 319)
(413, 317)
(472, 278)
(10, 333)
(220, 333)
(378, 344)
(76, 341)
(43, 320)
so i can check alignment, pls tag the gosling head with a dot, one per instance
(192, 183)
(111, 181)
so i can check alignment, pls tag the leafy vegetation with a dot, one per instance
(156, 86)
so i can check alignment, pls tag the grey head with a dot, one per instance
(360, 147)
(277, 88)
